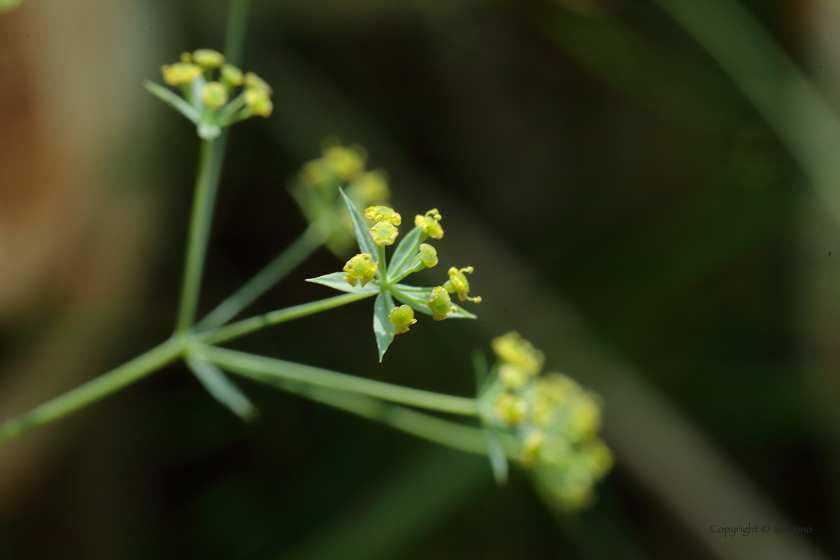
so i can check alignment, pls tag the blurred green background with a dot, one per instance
(648, 191)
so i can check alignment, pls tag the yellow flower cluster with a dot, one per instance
(316, 190)
(553, 417)
(255, 98)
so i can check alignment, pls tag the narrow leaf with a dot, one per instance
(382, 326)
(223, 389)
(496, 454)
(360, 227)
(173, 100)
(336, 281)
(403, 256)
(418, 299)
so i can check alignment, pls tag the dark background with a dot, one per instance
(630, 204)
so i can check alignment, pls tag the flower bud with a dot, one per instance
(428, 255)
(429, 223)
(214, 95)
(369, 188)
(384, 233)
(598, 456)
(208, 58)
(346, 162)
(252, 81)
(511, 409)
(584, 417)
(232, 76)
(258, 102)
(458, 283)
(558, 387)
(180, 73)
(513, 349)
(383, 214)
(402, 317)
(361, 267)
(440, 303)
(531, 447)
(513, 377)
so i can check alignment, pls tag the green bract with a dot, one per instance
(369, 271)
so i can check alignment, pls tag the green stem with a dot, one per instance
(207, 184)
(237, 22)
(402, 276)
(202, 216)
(443, 432)
(284, 263)
(93, 390)
(247, 326)
(382, 270)
(261, 368)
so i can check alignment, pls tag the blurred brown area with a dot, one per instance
(76, 241)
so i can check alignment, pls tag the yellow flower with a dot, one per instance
(214, 95)
(346, 162)
(361, 267)
(428, 255)
(513, 349)
(430, 223)
(208, 58)
(232, 76)
(383, 214)
(511, 409)
(180, 73)
(440, 303)
(252, 81)
(532, 446)
(402, 317)
(257, 100)
(384, 233)
(458, 283)
(369, 188)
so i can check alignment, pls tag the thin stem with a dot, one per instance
(402, 276)
(383, 271)
(211, 167)
(202, 216)
(261, 368)
(284, 263)
(237, 22)
(443, 432)
(93, 390)
(247, 326)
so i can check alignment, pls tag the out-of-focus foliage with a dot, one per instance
(631, 211)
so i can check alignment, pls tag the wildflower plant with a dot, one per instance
(547, 423)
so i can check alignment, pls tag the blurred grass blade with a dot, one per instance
(382, 326)
(173, 100)
(780, 92)
(496, 454)
(223, 389)
(360, 227)
(400, 514)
